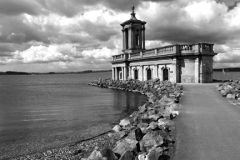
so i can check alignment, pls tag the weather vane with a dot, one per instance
(133, 8)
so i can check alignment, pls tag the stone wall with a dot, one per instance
(206, 70)
(187, 71)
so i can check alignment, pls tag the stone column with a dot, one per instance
(131, 35)
(154, 76)
(143, 37)
(174, 74)
(124, 40)
(125, 73)
(141, 73)
(116, 73)
(122, 69)
(129, 73)
(197, 70)
(113, 73)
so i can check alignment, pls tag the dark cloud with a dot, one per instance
(101, 32)
(233, 5)
(70, 8)
(230, 3)
(16, 7)
(15, 31)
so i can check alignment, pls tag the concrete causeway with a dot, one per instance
(208, 127)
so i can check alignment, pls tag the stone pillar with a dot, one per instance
(129, 73)
(140, 73)
(174, 74)
(113, 69)
(154, 76)
(143, 37)
(116, 73)
(143, 73)
(197, 70)
(125, 73)
(160, 72)
(122, 68)
(124, 39)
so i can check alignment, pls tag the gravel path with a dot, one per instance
(208, 127)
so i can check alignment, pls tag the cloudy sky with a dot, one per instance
(75, 35)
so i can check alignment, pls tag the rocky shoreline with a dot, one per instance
(230, 89)
(149, 133)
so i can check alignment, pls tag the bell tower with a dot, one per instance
(133, 34)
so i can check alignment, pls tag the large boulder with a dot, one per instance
(154, 153)
(223, 93)
(124, 122)
(125, 145)
(142, 109)
(117, 128)
(152, 139)
(128, 155)
(96, 155)
(109, 154)
(230, 96)
(138, 134)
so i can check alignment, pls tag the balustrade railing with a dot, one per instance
(166, 50)
(207, 47)
(149, 53)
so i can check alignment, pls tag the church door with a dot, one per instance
(165, 74)
(149, 74)
(135, 74)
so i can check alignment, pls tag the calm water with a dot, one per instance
(46, 111)
(226, 76)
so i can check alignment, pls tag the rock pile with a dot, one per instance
(147, 134)
(230, 89)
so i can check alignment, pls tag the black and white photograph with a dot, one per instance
(119, 79)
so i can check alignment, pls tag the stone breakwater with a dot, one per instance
(149, 133)
(230, 89)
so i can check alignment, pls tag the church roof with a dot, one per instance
(133, 19)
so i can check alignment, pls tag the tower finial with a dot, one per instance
(133, 14)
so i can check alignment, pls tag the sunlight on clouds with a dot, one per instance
(52, 53)
(103, 53)
(233, 17)
(205, 10)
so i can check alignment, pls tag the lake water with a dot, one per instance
(226, 76)
(46, 111)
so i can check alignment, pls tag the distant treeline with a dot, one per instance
(14, 73)
(227, 69)
(30, 73)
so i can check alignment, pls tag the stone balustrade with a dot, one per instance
(167, 50)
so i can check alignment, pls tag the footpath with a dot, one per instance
(208, 127)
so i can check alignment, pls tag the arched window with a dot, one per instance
(137, 38)
(149, 74)
(165, 74)
(126, 38)
(120, 75)
(135, 74)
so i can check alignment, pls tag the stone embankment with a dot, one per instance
(230, 89)
(149, 133)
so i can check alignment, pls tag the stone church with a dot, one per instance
(181, 63)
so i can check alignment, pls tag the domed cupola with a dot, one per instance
(133, 34)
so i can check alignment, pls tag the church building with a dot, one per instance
(181, 63)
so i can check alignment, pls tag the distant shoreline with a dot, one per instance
(37, 73)
(227, 69)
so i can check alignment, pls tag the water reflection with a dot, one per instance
(128, 101)
(39, 112)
